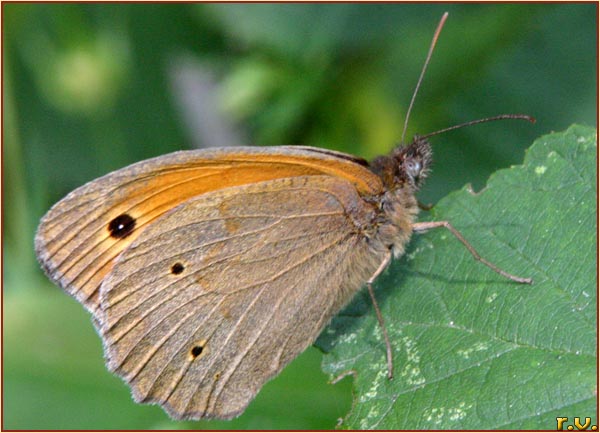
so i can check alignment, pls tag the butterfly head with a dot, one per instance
(406, 167)
(413, 161)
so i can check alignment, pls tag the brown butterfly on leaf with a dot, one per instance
(208, 271)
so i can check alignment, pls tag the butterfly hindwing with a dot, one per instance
(221, 293)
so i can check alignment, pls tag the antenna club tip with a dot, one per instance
(442, 21)
(532, 119)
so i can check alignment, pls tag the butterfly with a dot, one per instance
(208, 271)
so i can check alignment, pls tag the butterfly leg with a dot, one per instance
(425, 226)
(388, 346)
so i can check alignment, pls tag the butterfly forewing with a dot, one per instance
(81, 236)
(221, 293)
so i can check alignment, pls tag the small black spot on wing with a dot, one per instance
(177, 268)
(197, 350)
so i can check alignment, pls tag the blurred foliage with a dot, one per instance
(89, 88)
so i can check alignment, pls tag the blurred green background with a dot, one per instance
(89, 88)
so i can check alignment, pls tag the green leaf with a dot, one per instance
(473, 350)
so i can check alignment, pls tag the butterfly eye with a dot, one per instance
(413, 168)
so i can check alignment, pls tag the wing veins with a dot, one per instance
(173, 293)
(264, 282)
(99, 255)
(154, 194)
(231, 237)
(241, 357)
(162, 302)
(195, 273)
(215, 242)
(153, 174)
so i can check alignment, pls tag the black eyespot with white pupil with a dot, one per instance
(121, 226)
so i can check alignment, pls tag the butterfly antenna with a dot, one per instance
(487, 119)
(431, 47)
